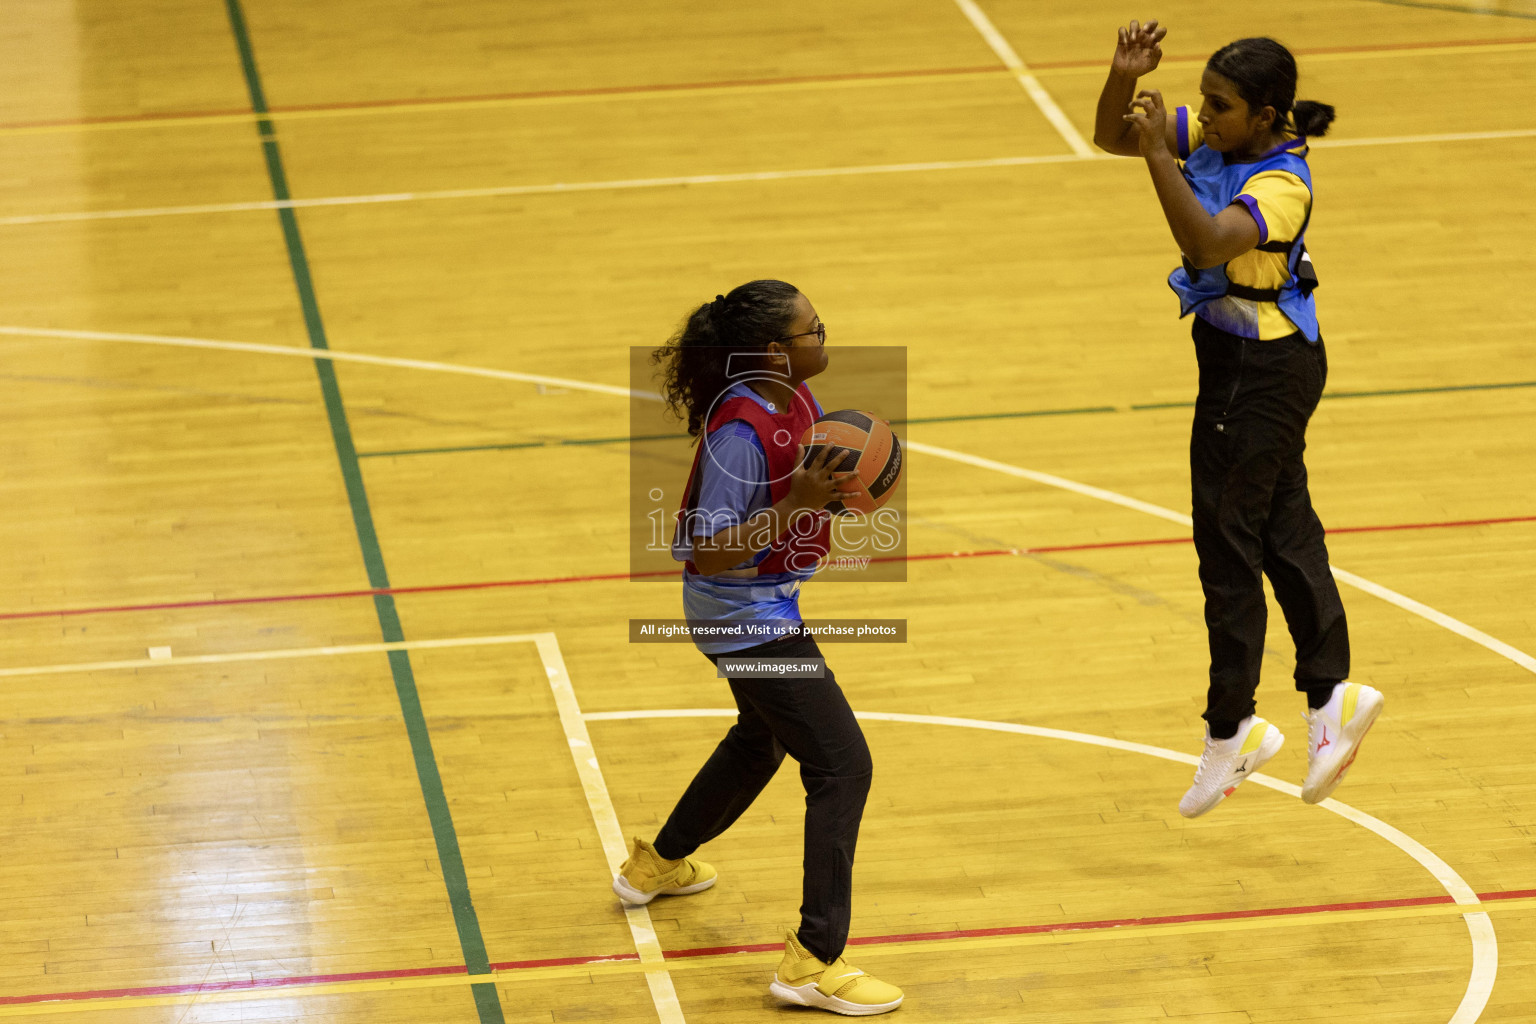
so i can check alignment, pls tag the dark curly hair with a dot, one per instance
(694, 360)
(1265, 75)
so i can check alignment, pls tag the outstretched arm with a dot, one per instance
(1137, 53)
(1205, 241)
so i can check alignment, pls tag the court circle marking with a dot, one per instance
(1485, 949)
(1484, 943)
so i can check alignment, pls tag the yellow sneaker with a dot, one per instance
(806, 981)
(646, 875)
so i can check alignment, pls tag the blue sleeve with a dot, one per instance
(734, 478)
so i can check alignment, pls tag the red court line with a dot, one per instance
(623, 90)
(276, 598)
(441, 588)
(666, 87)
(1082, 926)
(564, 961)
(1123, 922)
(1432, 526)
(1512, 894)
(171, 115)
(1440, 44)
(1038, 551)
(762, 947)
(611, 90)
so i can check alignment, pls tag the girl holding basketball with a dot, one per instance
(1236, 191)
(752, 528)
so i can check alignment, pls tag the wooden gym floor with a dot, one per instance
(318, 700)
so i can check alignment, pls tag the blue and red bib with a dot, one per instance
(799, 547)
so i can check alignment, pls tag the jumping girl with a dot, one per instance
(751, 529)
(1238, 205)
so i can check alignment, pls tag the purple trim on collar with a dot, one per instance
(1299, 141)
(1253, 208)
(1181, 121)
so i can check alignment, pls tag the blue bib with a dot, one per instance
(1216, 185)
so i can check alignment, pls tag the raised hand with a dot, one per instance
(1139, 49)
(1150, 120)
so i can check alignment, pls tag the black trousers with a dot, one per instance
(1254, 517)
(811, 719)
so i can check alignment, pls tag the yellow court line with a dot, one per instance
(765, 960)
(663, 92)
(331, 988)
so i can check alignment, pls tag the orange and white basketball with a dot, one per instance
(873, 452)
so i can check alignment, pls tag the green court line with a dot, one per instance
(1432, 391)
(1011, 415)
(1453, 8)
(1025, 414)
(449, 857)
(1371, 394)
(680, 437)
(523, 444)
(467, 448)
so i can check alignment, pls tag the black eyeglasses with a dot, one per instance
(820, 332)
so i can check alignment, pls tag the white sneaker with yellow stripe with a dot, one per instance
(1334, 734)
(1224, 764)
(839, 987)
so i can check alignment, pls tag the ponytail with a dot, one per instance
(1312, 119)
(695, 361)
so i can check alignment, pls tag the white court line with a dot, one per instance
(1413, 140)
(549, 189)
(573, 721)
(663, 994)
(580, 743)
(273, 655)
(1439, 618)
(1053, 113)
(1051, 481)
(1402, 601)
(556, 188)
(1485, 949)
(1408, 604)
(294, 351)
(1479, 925)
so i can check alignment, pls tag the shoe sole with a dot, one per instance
(1349, 748)
(629, 894)
(810, 995)
(1273, 740)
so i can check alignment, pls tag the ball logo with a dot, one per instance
(891, 474)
